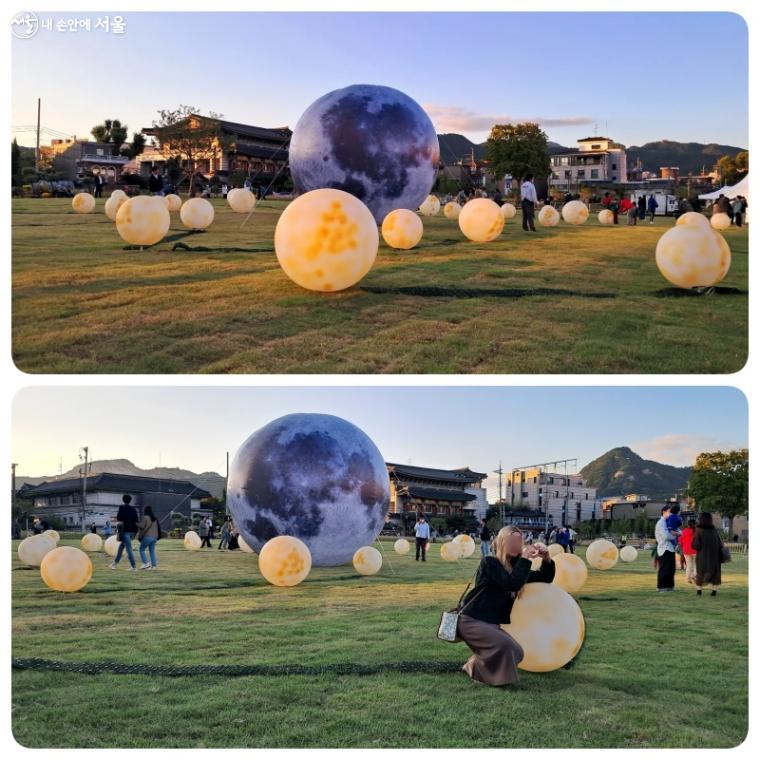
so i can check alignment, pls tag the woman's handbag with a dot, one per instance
(725, 554)
(447, 628)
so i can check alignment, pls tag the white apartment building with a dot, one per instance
(597, 160)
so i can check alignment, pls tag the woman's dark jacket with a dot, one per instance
(494, 602)
(707, 544)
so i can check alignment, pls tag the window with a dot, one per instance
(614, 167)
(595, 174)
(524, 494)
(99, 152)
(581, 173)
(567, 174)
(598, 146)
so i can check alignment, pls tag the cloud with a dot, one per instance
(678, 449)
(458, 119)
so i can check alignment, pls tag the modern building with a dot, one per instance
(435, 492)
(239, 147)
(567, 499)
(62, 499)
(598, 160)
(73, 159)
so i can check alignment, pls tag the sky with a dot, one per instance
(194, 427)
(634, 77)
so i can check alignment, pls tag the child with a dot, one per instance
(674, 521)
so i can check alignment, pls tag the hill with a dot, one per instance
(621, 471)
(210, 481)
(455, 147)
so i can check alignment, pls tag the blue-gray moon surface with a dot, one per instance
(316, 477)
(371, 141)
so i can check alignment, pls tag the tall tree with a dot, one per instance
(15, 163)
(731, 169)
(111, 131)
(719, 483)
(518, 149)
(189, 138)
(137, 146)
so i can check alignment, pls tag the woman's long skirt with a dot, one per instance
(496, 653)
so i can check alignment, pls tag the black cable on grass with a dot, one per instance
(228, 249)
(438, 292)
(341, 668)
(717, 290)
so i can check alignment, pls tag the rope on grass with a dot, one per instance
(437, 292)
(230, 671)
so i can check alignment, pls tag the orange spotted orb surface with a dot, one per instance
(575, 212)
(693, 219)
(83, 203)
(285, 560)
(113, 204)
(66, 569)
(481, 220)
(244, 546)
(111, 546)
(548, 216)
(52, 534)
(548, 624)
(720, 221)
(555, 549)
(173, 202)
(91, 542)
(570, 572)
(196, 213)
(605, 216)
(367, 560)
(326, 240)
(241, 200)
(32, 550)
(693, 256)
(602, 554)
(628, 554)
(430, 206)
(401, 546)
(508, 211)
(466, 543)
(450, 552)
(452, 210)
(402, 229)
(192, 541)
(143, 220)
(119, 194)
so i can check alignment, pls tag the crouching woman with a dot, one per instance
(488, 605)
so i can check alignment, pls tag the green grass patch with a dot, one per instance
(83, 301)
(666, 670)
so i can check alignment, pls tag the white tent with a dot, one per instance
(730, 191)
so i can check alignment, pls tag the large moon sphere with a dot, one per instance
(312, 476)
(371, 141)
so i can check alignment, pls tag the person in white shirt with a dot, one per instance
(422, 534)
(666, 553)
(528, 201)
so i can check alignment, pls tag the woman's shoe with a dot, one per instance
(145, 566)
(714, 592)
(699, 592)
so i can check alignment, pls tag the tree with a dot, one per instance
(137, 146)
(731, 169)
(111, 131)
(15, 163)
(189, 138)
(719, 483)
(518, 149)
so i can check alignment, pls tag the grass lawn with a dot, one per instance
(82, 303)
(665, 670)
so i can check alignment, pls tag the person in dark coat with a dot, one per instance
(488, 605)
(709, 548)
(156, 182)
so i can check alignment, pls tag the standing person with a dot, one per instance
(528, 201)
(99, 182)
(107, 529)
(615, 208)
(738, 209)
(225, 531)
(422, 536)
(203, 532)
(487, 606)
(642, 206)
(485, 539)
(651, 208)
(148, 533)
(233, 544)
(126, 519)
(563, 538)
(688, 552)
(553, 536)
(156, 182)
(211, 529)
(36, 526)
(573, 534)
(633, 216)
(709, 548)
(666, 553)
(93, 529)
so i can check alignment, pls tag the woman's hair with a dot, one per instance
(692, 523)
(705, 520)
(499, 545)
(148, 511)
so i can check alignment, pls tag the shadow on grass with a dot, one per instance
(438, 292)
(697, 292)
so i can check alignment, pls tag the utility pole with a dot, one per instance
(227, 480)
(84, 454)
(501, 500)
(37, 149)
